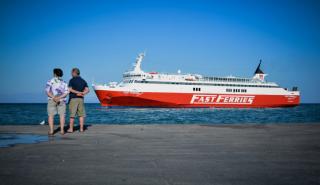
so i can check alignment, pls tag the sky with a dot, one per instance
(103, 38)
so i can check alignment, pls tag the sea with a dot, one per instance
(34, 114)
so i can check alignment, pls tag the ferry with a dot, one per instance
(153, 89)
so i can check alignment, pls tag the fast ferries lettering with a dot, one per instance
(221, 99)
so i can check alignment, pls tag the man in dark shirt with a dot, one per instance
(78, 88)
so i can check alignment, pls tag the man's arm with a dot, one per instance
(48, 90)
(58, 98)
(49, 94)
(74, 91)
(86, 91)
(63, 96)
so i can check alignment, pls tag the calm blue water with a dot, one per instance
(33, 114)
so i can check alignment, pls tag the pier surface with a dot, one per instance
(166, 154)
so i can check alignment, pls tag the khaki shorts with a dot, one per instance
(76, 107)
(54, 108)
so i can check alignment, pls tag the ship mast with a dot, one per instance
(137, 65)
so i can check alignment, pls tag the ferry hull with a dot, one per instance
(185, 100)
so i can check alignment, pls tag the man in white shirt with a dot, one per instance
(57, 91)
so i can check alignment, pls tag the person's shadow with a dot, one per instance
(76, 128)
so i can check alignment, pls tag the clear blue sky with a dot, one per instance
(102, 38)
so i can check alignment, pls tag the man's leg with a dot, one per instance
(81, 121)
(62, 113)
(72, 112)
(50, 121)
(71, 125)
(81, 113)
(52, 110)
(62, 121)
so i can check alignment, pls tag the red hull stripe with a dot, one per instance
(152, 99)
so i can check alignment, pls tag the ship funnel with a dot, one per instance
(259, 74)
(258, 70)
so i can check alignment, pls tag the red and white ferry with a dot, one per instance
(152, 89)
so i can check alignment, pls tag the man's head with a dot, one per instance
(75, 72)
(57, 72)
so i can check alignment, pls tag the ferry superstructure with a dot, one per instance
(152, 89)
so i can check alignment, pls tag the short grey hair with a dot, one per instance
(77, 70)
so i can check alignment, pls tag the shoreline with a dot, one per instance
(37, 129)
(166, 154)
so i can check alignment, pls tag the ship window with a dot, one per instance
(196, 89)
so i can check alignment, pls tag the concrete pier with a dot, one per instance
(166, 154)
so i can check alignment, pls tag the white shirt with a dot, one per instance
(57, 87)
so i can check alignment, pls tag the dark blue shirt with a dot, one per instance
(78, 84)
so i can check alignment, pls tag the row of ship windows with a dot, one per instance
(236, 90)
(227, 90)
(227, 79)
(208, 84)
(132, 75)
